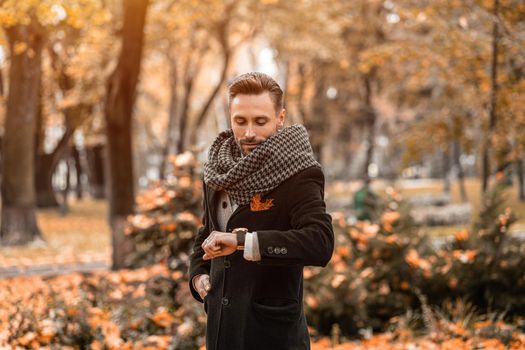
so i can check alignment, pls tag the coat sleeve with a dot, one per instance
(197, 264)
(310, 241)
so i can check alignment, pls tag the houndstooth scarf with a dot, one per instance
(279, 157)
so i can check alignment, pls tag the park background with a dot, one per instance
(107, 108)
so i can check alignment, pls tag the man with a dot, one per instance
(365, 201)
(264, 219)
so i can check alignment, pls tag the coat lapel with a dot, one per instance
(212, 208)
(213, 197)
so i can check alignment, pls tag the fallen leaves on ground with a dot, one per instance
(136, 309)
(127, 309)
(392, 341)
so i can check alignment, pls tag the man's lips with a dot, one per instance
(249, 143)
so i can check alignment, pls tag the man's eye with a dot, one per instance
(261, 122)
(240, 122)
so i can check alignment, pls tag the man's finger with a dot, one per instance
(211, 249)
(208, 239)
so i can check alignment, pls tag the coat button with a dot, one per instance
(270, 250)
(284, 250)
(277, 250)
(224, 205)
(227, 263)
(225, 301)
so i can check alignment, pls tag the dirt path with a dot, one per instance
(53, 269)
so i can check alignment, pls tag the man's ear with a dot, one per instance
(282, 117)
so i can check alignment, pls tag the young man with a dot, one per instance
(264, 219)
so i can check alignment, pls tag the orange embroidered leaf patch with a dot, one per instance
(257, 205)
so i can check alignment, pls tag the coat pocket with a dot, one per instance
(284, 310)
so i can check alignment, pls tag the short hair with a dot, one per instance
(255, 83)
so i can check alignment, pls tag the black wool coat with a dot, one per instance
(259, 305)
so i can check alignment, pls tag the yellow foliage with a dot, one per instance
(163, 318)
(52, 12)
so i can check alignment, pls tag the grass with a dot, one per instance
(415, 188)
(473, 189)
(80, 236)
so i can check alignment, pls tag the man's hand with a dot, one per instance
(202, 285)
(219, 244)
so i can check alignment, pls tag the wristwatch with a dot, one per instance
(241, 236)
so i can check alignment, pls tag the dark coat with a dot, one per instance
(259, 305)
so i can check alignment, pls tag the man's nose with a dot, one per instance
(249, 132)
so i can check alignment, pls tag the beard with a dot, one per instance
(249, 144)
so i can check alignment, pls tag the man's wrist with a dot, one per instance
(241, 237)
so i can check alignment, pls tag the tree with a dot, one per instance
(120, 98)
(232, 24)
(485, 167)
(33, 27)
(446, 63)
(19, 224)
(75, 113)
(184, 48)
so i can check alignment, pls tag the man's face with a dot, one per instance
(254, 119)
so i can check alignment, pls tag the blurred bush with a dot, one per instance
(167, 217)
(380, 270)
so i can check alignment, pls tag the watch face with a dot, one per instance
(241, 235)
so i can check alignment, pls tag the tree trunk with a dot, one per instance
(521, 180)
(1, 83)
(1, 160)
(485, 171)
(316, 125)
(64, 204)
(184, 114)
(45, 168)
(46, 163)
(370, 118)
(172, 118)
(78, 172)
(19, 224)
(120, 100)
(461, 174)
(96, 175)
(201, 115)
(345, 140)
(301, 93)
(45, 193)
(445, 170)
(286, 84)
